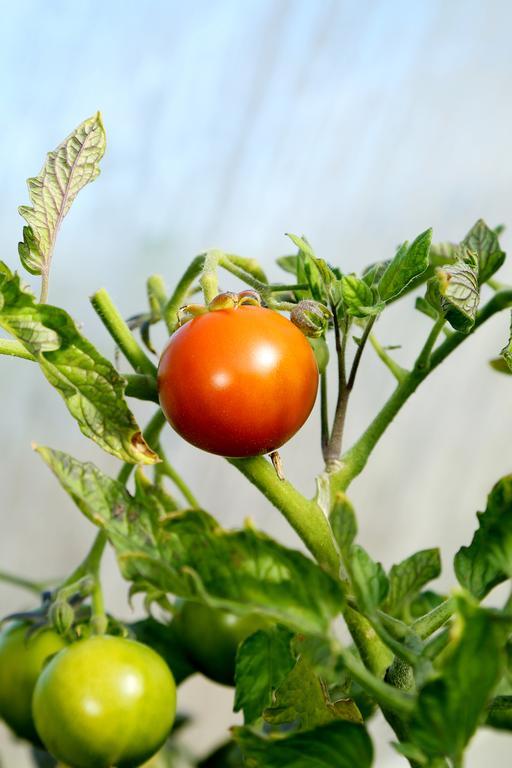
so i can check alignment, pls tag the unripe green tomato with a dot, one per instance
(22, 657)
(105, 701)
(211, 638)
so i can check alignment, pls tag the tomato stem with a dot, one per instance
(305, 516)
(118, 329)
(182, 292)
(165, 468)
(386, 695)
(398, 372)
(429, 623)
(17, 581)
(209, 281)
(355, 459)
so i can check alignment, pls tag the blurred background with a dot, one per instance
(229, 123)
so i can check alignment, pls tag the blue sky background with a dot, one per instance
(230, 123)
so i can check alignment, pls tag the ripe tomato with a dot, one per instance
(105, 701)
(238, 382)
(211, 638)
(22, 657)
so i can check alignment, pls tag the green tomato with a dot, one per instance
(22, 657)
(105, 701)
(211, 638)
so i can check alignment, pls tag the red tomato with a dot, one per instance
(238, 382)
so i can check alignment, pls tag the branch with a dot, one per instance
(305, 516)
(354, 460)
(181, 292)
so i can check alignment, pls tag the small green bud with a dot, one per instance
(61, 616)
(311, 318)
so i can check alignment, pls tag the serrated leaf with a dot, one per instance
(88, 383)
(369, 579)
(66, 171)
(409, 262)
(487, 561)
(188, 554)
(263, 661)
(449, 708)
(303, 701)
(358, 297)
(484, 242)
(337, 745)
(455, 291)
(408, 577)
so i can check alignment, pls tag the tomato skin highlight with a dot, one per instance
(22, 657)
(210, 638)
(105, 701)
(238, 382)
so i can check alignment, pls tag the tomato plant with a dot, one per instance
(97, 689)
(239, 377)
(22, 657)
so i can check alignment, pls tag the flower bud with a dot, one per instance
(310, 317)
(61, 616)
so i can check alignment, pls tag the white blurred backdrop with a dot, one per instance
(229, 123)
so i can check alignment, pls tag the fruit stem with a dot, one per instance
(118, 329)
(209, 281)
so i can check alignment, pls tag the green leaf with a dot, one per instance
(369, 579)
(501, 366)
(499, 714)
(90, 386)
(409, 262)
(373, 273)
(188, 554)
(424, 306)
(449, 708)
(337, 745)
(302, 700)
(263, 661)
(66, 171)
(484, 242)
(165, 641)
(408, 577)
(358, 297)
(343, 523)
(454, 290)
(506, 353)
(487, 561)
(288, 264)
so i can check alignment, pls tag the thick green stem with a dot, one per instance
(374, 654)
(354, 460)
(305, 516)
(121, 334)
(226, 261)
(386, 695)
(15, 349)
(181, 292)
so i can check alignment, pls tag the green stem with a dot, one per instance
(277, 288)
(386, 695)
(165, 468)
(157, 295)
(434, 619)
(36, 587)
(305, 516)
(15, 349)
(398, 372)
(181, 292)
(250, 266)
(324, 414)
(227, 263)
(209, 281)
(423, 360)
(141, 386)
(355, 459)
(121, 334)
